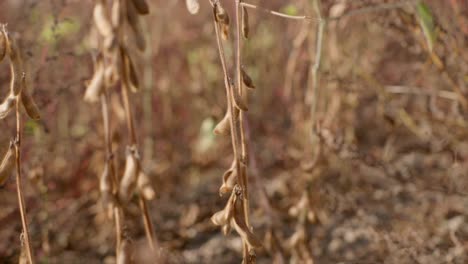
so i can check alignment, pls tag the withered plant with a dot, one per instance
(235, 180)
(17, 96)
(114, 68)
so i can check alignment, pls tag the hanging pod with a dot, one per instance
(28, 103)
(141, 6)
(245, 23)
(3, 45)
(130, 176)
(144, 187)
(96, 84)
(7, 105)
(193, 6)
(16, 66)
(222, 128)
(229, 179)
(101, 19)
(222, 19)
(130, 74)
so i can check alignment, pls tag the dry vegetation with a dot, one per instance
(319, 131)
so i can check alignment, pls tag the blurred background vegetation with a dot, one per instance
(382, 179)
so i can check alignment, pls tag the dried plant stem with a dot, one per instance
(147, 222)
(244, 159)
(118, 215)
(231, 108)
(19, 187)
(315, 69)
(128, 114)
(275, 13)
(149, 230)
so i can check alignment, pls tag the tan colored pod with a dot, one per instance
(239, 102)
(193, 6)
(222, 18)
(3, 45)
(130, 73)
(141, 6)
(95, 85)
(116, 13)
(224, 216)
(129, 178)
(229, 179)
(101, 19)
(7, 165)
(144, 187)
(6, 106)
(241, 227)
(134, 22)
(16, 67)
(29, 105)
(245, 23)
(222, 128)
(247, 80)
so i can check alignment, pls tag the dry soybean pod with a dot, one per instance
(28, 103)
(101, 19)
(141, 6)
(223, 127)
(245, 23)
(193, 6)
(7, 105)
(129, 178)
(16, 67)
(3, 45)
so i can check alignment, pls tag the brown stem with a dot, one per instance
(243, 172)
(131, 130)
(111, 164)
(149, 230)
(19, 187)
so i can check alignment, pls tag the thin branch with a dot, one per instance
(315, 70)
(19, 187)
(275, 13)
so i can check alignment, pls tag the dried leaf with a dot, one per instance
(141, 6)
(193, 6)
